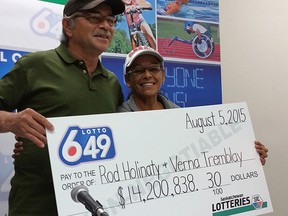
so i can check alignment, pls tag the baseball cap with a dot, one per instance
(73, 6)
(139, 51)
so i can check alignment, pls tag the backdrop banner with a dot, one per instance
(192, 65)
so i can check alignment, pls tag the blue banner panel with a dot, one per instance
(8, 59)
(189, 84)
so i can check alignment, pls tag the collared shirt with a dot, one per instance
(130, 105)
(54, 83)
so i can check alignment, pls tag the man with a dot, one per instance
(69, 80)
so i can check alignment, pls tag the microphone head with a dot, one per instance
(76, 190)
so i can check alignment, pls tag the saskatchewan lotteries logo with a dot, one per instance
(257, 201)
(237, 204)
(86, 144)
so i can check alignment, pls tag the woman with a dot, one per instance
(144, 74)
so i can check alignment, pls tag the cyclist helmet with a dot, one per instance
(188, 25)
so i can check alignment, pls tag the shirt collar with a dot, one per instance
(67, 56)
(64, 53)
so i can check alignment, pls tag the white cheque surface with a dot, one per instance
(187, 161)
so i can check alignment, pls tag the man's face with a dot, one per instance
(93, 31)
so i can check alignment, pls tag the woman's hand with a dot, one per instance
(262, 151)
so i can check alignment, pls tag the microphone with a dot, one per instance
(81, 194)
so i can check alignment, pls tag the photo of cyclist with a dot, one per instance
(134, 17)
(172, 7)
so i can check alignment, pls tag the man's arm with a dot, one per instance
(26, 124)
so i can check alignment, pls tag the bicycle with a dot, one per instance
(137, 36)
(202, 48)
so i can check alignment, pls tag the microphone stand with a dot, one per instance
(99, 211)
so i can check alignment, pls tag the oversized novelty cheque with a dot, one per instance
(186, 161)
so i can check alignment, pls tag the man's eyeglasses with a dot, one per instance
(139, 70)
(95, 18)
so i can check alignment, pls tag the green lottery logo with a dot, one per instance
(237, 204)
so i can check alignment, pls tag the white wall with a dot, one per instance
(254, 56)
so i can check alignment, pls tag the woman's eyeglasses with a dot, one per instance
(139, 70)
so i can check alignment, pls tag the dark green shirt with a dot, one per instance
(54, 83)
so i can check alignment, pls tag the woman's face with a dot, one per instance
(146, 76)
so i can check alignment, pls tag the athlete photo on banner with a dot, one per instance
(135, 27)
(188, 40)
(207, 10)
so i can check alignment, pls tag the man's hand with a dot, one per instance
(26, 124)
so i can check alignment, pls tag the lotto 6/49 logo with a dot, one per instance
(88, 144)
(47, 23)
